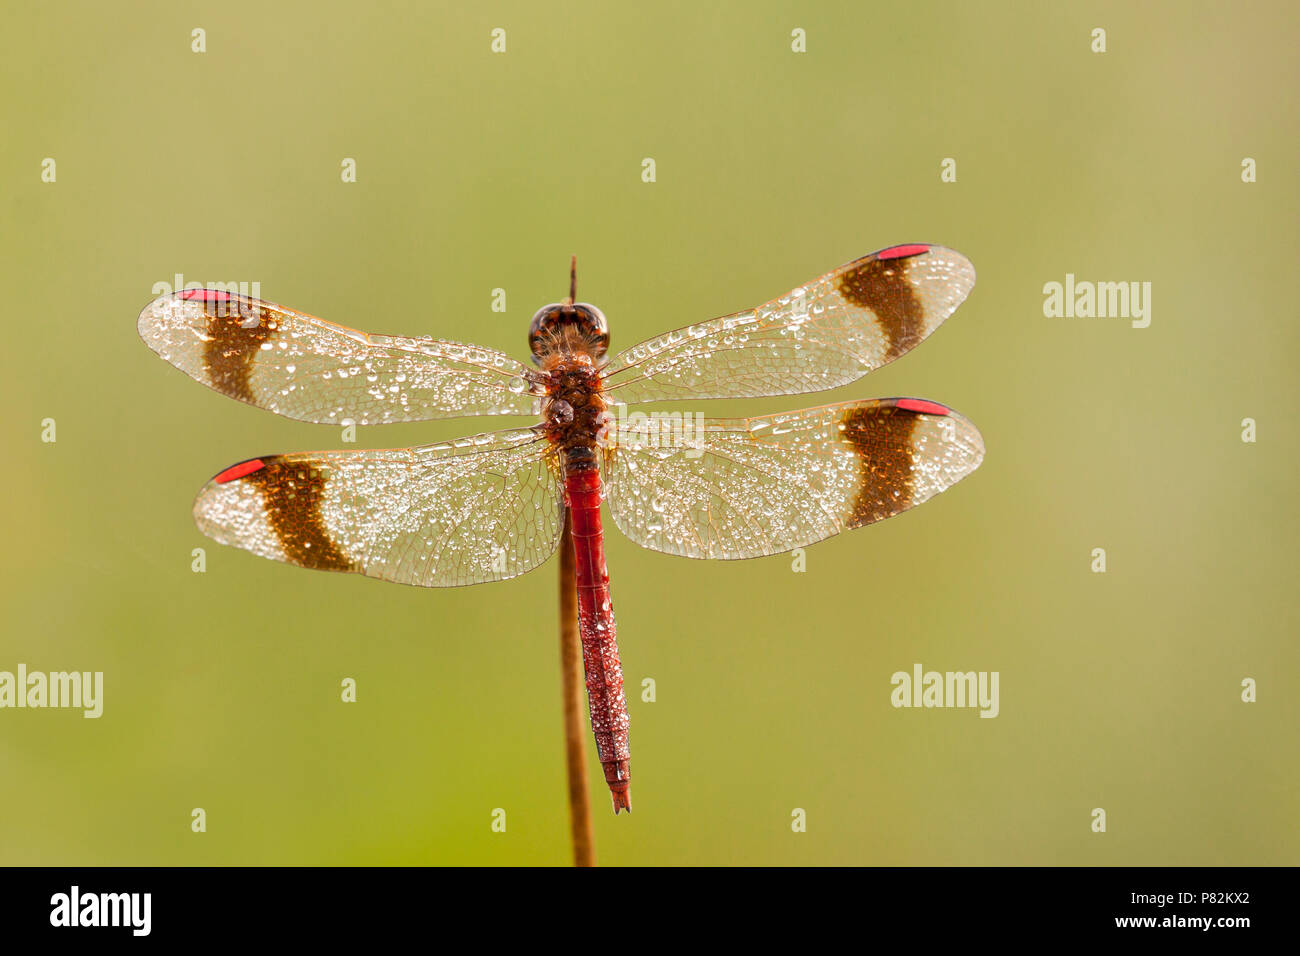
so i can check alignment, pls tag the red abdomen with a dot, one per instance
(605, 698)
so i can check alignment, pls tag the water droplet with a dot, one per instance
(561, 412)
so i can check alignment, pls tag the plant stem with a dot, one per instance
(575, 752)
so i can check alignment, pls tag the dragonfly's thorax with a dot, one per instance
(574, 410)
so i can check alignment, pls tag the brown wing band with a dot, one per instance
(232, 345)
(293, 492)
(882, 286)
(882, 437)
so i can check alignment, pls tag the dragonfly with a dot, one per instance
(493, 506)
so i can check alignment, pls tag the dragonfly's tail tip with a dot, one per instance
(622, 800)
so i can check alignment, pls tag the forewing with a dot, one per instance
(759, 486)
(306, 368)
(821, 335)
(485, 508)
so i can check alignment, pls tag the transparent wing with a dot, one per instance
(822, 335)
(485, 508)
(306, 368)
(756, 486)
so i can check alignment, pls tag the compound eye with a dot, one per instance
(594, 316)
(546, 316)
(540, 317)
(595, 327)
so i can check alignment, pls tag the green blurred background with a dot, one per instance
(477, 171)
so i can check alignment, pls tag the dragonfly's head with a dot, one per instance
(569, 327)
(565, 328)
